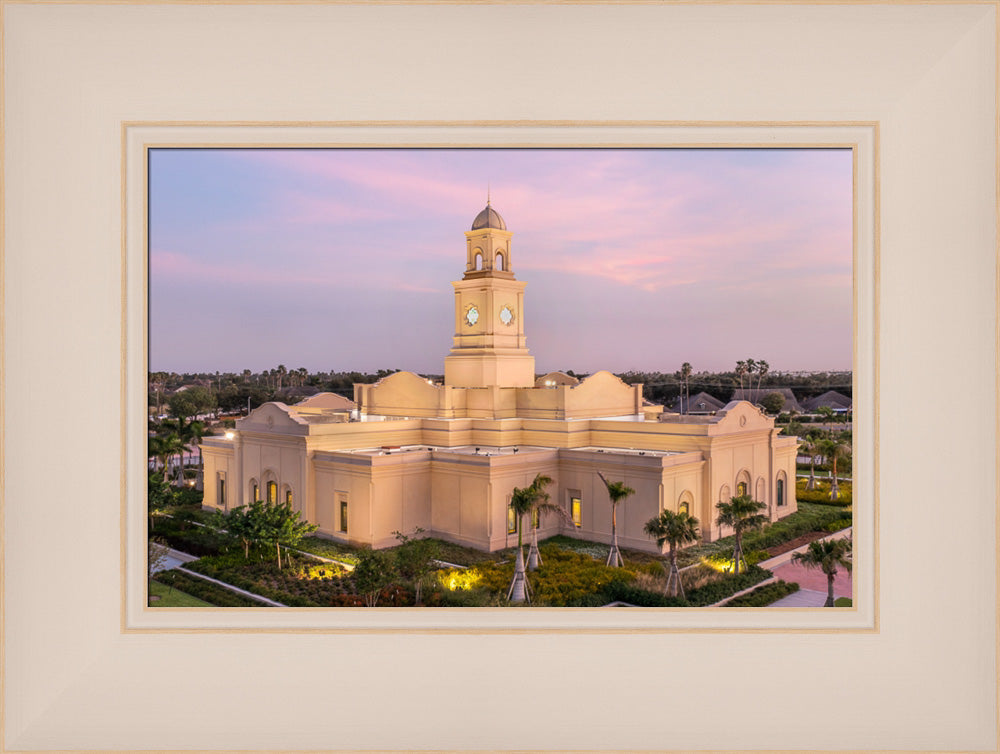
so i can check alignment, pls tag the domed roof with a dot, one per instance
(489, 218)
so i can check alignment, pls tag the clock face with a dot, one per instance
(471, 315)
(506, 315)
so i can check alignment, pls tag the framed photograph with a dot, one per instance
(90, 90)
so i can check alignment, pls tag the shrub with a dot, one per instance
(841, 523)
(709, 594)
(765, 595)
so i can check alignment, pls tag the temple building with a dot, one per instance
(407, 453)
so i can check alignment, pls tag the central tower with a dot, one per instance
(489, 346)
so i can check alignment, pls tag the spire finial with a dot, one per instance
(487, 193)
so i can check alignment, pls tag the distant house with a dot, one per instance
(699, 403)
(756, 395)
(839, 402)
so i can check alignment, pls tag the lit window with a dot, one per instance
(779, 491)
(343, 516)
(683, 508)
(288, 496)
(511, 519)
(741, 489)
(575, 512)
(254, 492)
(272, 492)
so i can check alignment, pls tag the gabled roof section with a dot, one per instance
(757, 394)
(831, 399)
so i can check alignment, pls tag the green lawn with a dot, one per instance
(172, 597)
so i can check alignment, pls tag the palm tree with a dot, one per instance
(762, 368)
(538, 504)
(834, 448)
(521, 499)
(810, 444)
(164, 445)
(617, 492)
(685, 387)
(826, 555)
(742, 513)
(673, 529)
(741, 369)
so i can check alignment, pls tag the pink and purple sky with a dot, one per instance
(341, 259)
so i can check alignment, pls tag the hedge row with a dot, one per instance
(765, 595)
(701, 597)
(808, 519)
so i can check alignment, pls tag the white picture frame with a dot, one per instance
(79, 672)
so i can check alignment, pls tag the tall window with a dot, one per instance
(254, 492)
(779, 491)
(575, 511)
(288, 496)
(272, 492)
(683, 508)
(741, 489)
(343, 516)
(222, 490)
(511, 519)
(536, 519)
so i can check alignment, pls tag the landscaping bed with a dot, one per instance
(765, 595)
(206, 591)
(302, 582)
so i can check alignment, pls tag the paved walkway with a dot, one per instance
(174, 558)
(802, 598)
(813, 579)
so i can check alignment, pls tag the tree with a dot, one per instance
(158, 496)
(525, 500)
(265, 524)
(741, 369)
(415, 559)
(810, 444)
(673, 529)
(617, 493)
(742, 513)
(685, 387)
(762, 369)
(826, 555)
(773, 402)
(833, 448)
(163, 446)
(827, 413)
(539, 503)
(376, 569)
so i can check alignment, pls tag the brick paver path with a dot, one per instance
(814, 579)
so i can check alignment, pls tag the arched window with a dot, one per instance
(254, 491)
(477, 261)
(741, 489)
(724, 494)
(779, 489)
(685, 502)
(498, 263)
(511, 519)
(288, 496)
(272, 492)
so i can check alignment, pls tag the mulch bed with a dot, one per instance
(797, 542)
